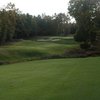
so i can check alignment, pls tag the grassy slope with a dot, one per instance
(35, 49)
(63, 79)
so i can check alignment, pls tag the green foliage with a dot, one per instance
(63, 79)
(85, 46)
(81, 36)
(84, 12)
(7, 23)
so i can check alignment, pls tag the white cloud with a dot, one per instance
(36, 7)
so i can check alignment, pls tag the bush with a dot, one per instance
(85, 46)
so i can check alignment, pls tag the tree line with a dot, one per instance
(16, 25)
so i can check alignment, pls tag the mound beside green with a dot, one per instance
(39, 48)
(62, 79)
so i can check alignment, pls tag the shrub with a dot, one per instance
(85, 46)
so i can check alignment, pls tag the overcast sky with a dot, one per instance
(36, 7)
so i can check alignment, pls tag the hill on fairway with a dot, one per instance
(39, 48)
(62, 79)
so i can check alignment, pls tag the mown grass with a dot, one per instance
(62, 79)
(35, 49)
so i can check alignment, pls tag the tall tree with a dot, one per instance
(7, 23)
(61, 21)
(84, 13)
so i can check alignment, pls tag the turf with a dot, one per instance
(35, 49)
(62, 79)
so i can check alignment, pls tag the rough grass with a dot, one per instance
(63, 79)
(35, 49)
